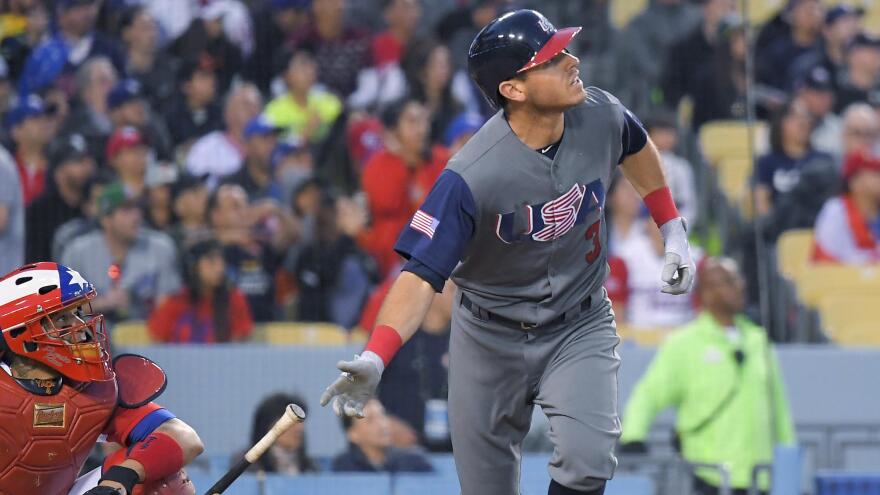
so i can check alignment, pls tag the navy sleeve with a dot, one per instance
(634, 136)
(425, 273)
(148, 424)
(440, 230)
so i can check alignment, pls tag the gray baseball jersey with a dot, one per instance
(523, 236)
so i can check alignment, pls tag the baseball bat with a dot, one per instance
(292, 414)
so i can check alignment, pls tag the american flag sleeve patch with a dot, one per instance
(424, 223)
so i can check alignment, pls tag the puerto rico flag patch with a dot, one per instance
(424, 223)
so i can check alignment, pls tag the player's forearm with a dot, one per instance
(643, 170)
(406, 305)
(185, 436)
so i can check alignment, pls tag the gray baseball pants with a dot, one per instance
(499, 371)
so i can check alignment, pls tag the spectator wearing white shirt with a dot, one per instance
(848, 227)
(221, 153)
(645, 306)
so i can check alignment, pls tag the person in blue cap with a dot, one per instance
(127, 107)
(255, 175)
(462, 127)
(31, 130)
(56, 61)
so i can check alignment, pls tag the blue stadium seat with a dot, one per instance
(444, 465)
(845, 483)
(247, 484)
(620, 485)
(328, 484)
(787, 466)
(426, 484)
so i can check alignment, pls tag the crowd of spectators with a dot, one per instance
(210, 165)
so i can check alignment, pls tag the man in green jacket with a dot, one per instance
(722, 377)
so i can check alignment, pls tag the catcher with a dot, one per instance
(60, 393)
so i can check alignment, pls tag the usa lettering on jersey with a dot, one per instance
(553, 219)
(424, 223)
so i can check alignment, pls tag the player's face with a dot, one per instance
(374, 430)
(56, 324)
(555, 84)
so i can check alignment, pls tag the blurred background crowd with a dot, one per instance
(214, 167)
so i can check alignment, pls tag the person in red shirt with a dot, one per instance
(402, 18)
(31, 130)
(209, 309)
(397, 179)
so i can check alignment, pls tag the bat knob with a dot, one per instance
(296, 411)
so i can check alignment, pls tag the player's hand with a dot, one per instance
(678, 269)
(355, 386)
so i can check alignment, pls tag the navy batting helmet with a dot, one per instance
(513, 43)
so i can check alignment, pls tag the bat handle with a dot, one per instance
(292, 414)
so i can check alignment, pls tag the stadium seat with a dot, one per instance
(824, 279)
(734, 174)
(620, 485)
(285, 333)
(787, 466)
(842, 483)
(851, 317)
(723, 139)
(761, 12)
(130, 334)
(246, 484)
(426, 484)
(623, 12)
(444, 465)
(328, 484)
(793, 251)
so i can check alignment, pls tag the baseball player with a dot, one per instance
(516, 220)
(59, 392)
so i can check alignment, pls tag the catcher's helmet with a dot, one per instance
(513, 43)
(30, 296)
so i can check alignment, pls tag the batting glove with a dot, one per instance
(679, 269)
(355, 386)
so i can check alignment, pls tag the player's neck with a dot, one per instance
(536, 129)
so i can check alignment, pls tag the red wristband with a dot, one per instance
(160, 455)
(385, 342)
(661, 206)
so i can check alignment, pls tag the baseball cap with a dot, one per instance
(186, 182)
(291, 4)
(124, 92)
(31, 106)
(817, 78)
(858, 161)
(286, 147)
(839, 11)
(260, 126)
(864, 40)
(464, 123)
(66, 148)
(124, 138)
(69, 4)
(112, 197)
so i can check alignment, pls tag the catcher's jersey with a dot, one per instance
(523, 235)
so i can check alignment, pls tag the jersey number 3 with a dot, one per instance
(593, 234)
